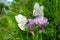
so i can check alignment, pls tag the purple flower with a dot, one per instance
(30, 22)
(38, 21)
(41, 20)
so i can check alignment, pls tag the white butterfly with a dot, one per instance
(38, 10)
(22, 20)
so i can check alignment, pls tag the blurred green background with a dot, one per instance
(9, 29)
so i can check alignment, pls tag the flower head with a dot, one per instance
(30, 22)
(41, 20)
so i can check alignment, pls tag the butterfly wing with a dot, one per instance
(21, 20)
(38, 10)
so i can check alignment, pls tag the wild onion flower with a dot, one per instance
(41, 20)
(30, 22)
(29, 25)
(41, 23)
(38, 20)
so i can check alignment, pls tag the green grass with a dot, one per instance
(9, 29)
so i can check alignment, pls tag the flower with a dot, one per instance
(30, 22)
(41, 20)
(38, 21)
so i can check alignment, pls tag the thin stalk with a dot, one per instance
(56, 15)
(27, 35)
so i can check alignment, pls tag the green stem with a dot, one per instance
(27, 35)
(34, 37)
(41, 36)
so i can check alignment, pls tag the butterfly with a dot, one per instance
(23, 22)
(38, 10)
